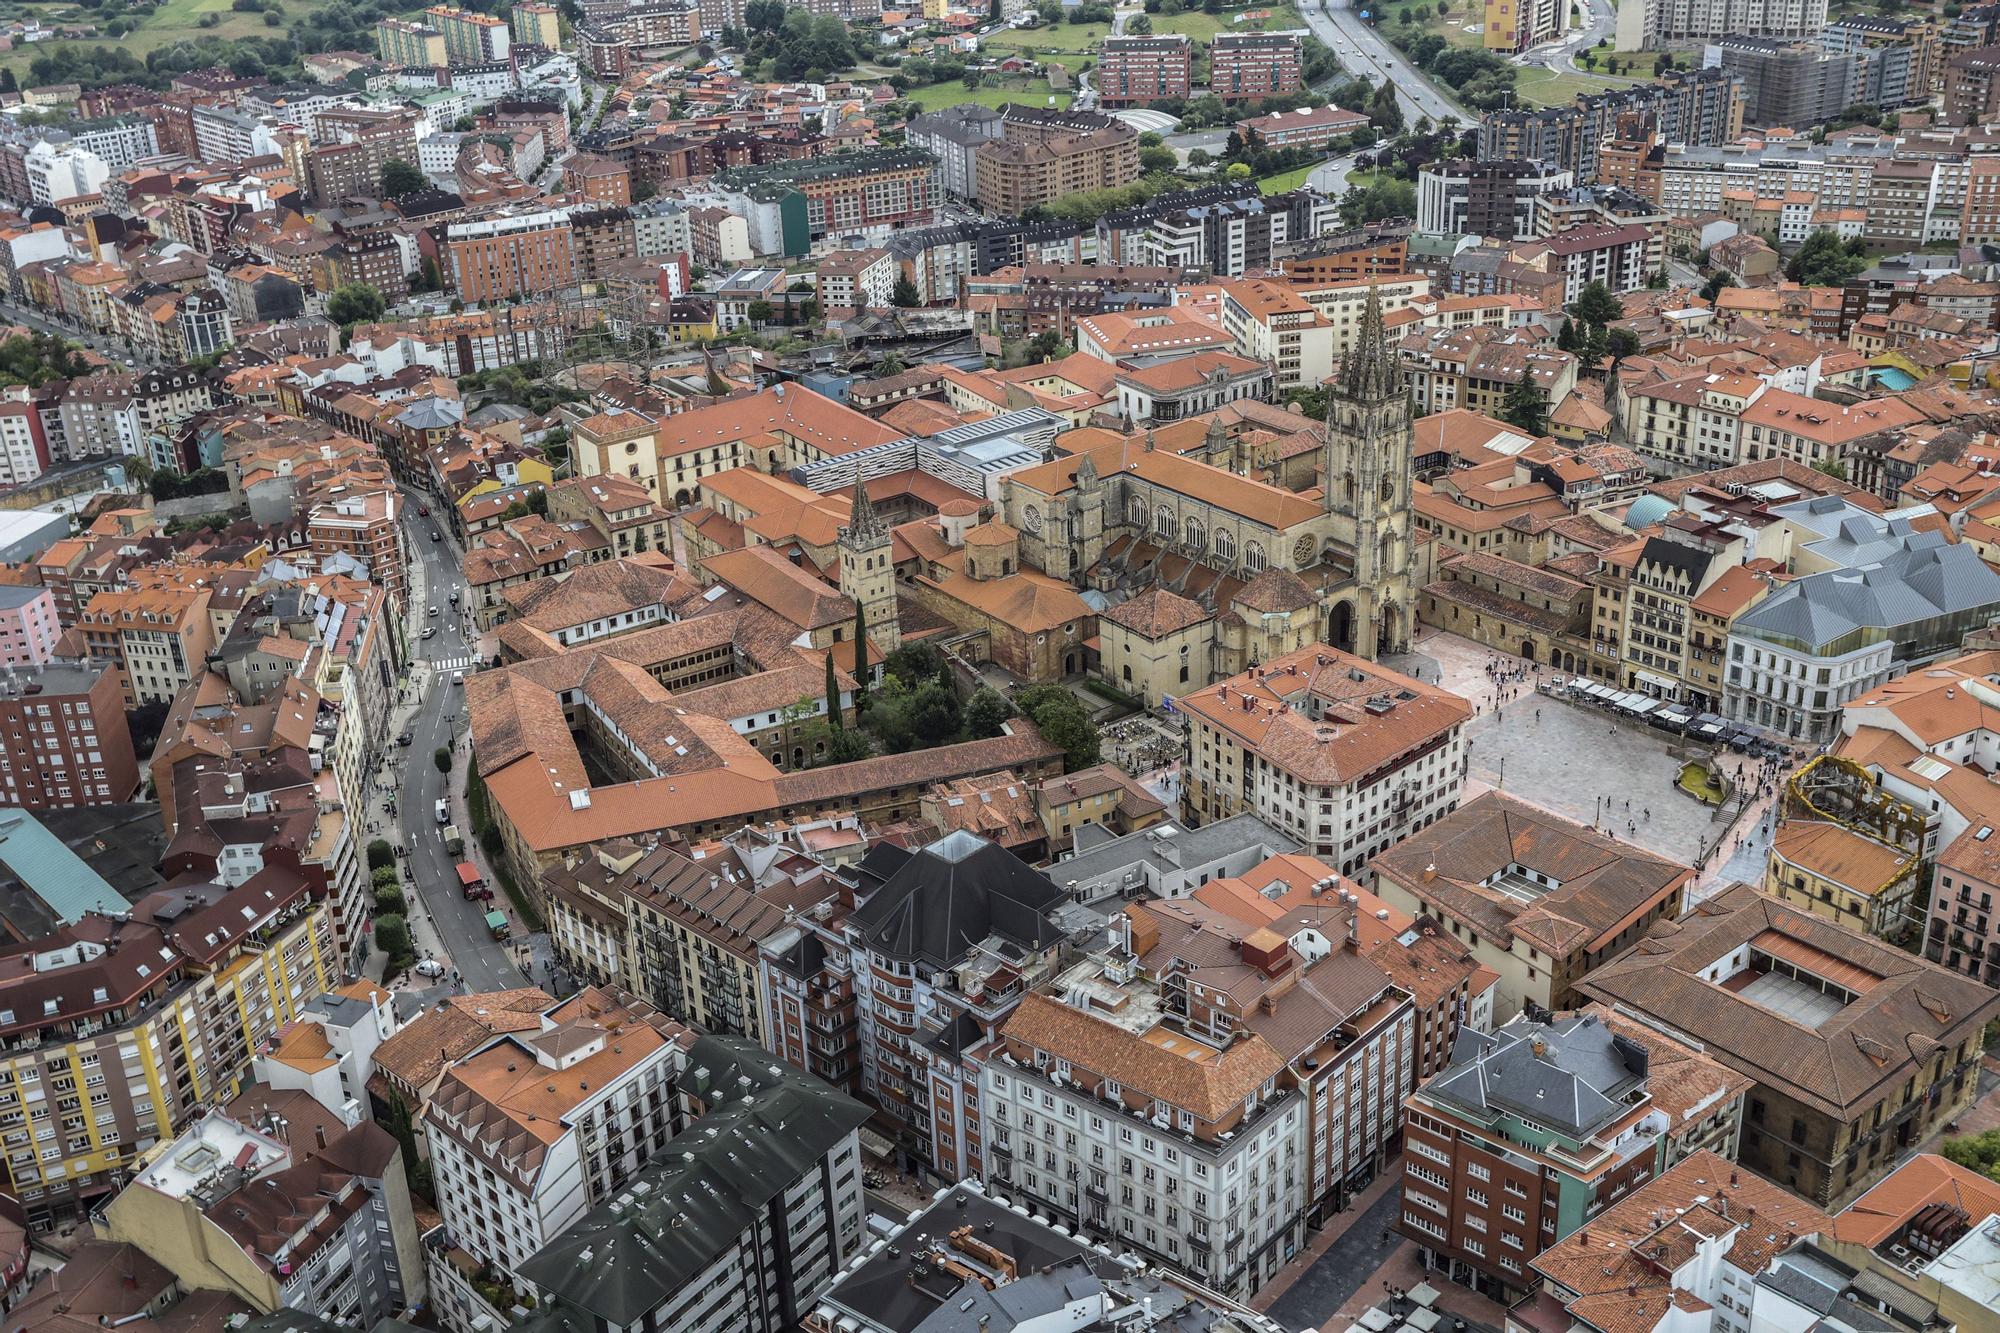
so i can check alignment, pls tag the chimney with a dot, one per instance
(319, 1135)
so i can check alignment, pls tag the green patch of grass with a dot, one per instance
(1286, 180)
(1073, 39)
(1204, 27)
(1536, 86)
(174, 21)
(1030, 92)
(1363, 177)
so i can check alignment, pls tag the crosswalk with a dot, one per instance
(452, 663)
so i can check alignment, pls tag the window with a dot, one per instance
(1225, 544)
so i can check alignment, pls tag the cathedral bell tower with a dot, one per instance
(1368, 462)
(867, 574)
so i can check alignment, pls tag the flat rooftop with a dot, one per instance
(211, 1148)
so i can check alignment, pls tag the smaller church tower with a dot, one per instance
(867, 573)
(1086, 520)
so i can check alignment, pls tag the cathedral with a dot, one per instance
(1116, 516)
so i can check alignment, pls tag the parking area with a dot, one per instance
(1592, 767)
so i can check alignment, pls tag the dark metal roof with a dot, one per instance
(954, 894)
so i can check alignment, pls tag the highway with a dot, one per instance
(1364, 53)
(446, 926)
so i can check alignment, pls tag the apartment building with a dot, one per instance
(29, 625)
(470, 38)
(64, 740)
(1271, 323)
(355, 147)
(680, 934)
(1961, 928)
(1249, 65)
(1210, 1085)
(498, 258)
(535, 1129)
(120, 1028)
(1857, 1050)
(535, 24)
(743, 1221)
(1235, 236)
(157, 632)
(1514, 26)
(851, 281)
(406, 44)
(1531, 1130)
(311, 1216)
(898, 997)
(365, 525)
(1651, 25)
(1495, 199)
(1134, 71)
(1539, 899)
(870, 193)
(1971, 90)
(1623, 258)
(1015, 174)
(1346, 756)
(24, 445)
(1693, 107)
(1703, 1235)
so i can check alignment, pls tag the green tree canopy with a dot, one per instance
(354, 303)
(904, 294)
(1595, 306)
(1827, 261)
(400, 178)
(1526, 406)
(1061, 718)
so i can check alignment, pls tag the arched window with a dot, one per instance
(1253, 558)
(1192, 529)
(1225, 544)
(1163, 522)
(1137, 509)
(1031, 519)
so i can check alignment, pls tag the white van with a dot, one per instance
(443, 813)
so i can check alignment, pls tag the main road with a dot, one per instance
(436, 716)
(1363, 52)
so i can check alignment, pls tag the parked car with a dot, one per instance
(431, 611)
(430, 632)
(430, 967)
(405, 739)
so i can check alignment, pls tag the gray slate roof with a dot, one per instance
(1571, 1074)
(1925, 578)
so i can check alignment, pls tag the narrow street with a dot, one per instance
(444, 924)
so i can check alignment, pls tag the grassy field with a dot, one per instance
(173, 21)
(1536, 86)
(1286, 180)
(1072, 39)
(1031, 92)
(1203, 27)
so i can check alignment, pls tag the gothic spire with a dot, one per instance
(1370, 374)
(864, 525)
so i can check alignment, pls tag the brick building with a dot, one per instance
(64, 742)
(1132, 71)
(516, 255)
(1244, 66)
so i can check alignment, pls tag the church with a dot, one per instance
(1116, 516)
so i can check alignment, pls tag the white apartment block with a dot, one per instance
(1650, 25)
(533, 1130)
(1219, 1170)
(1256, 745)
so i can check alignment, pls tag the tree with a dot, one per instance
(1596, 306)
(1237, 171)
(1199, 158)
(986, 712)
(1824, 260)
(904, 294)
(1526, 406)
(1716, 282)
(760, 312)
(1976, 1152)
(916, 663)
(1139, 26)
(354, 303)
(972, 79)
(385, 877)
(1566, 336)
(932, 714)
(390, 901)
(392, 936)
(380, 854)
(8, 83)
(441, 759)
(1157, 159)
(1832, 468)
(1061, 720)
(1621, 343)
(860, 672)
(832, 695)
(1596, 346)
(890, 364)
